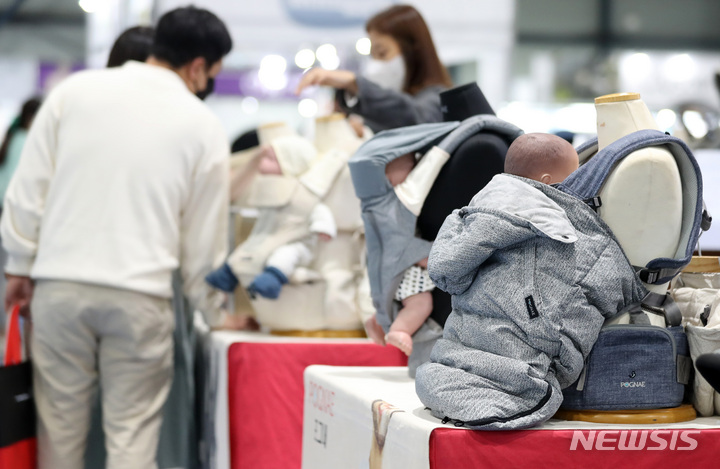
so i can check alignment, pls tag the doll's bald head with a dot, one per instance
(542, 157)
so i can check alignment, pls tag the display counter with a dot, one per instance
(253, 403)
(372, 418)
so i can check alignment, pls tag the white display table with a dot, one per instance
(339, 431)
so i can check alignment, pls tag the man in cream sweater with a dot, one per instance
(123, 178)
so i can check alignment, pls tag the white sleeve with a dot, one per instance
(24, 201)
(322, 221)
(204, 226)
(413, 191)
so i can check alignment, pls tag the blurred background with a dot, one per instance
(540, 63)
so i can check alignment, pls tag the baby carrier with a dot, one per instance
(390, 227)
(638, 365)
(323, 295)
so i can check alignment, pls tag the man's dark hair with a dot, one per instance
(185, 33)
(133, 44)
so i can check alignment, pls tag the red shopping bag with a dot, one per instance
(17, 409)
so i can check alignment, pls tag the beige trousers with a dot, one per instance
(85, 335)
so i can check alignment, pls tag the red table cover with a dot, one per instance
(588, 449)
(265, 395)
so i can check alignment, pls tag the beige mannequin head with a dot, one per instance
(621, 114)
(398, 169)
(542, 157)
(269, 131)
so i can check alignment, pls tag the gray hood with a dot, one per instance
(522, 212)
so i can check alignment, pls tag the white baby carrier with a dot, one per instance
(323, 296)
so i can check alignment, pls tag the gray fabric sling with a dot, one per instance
(392, 246)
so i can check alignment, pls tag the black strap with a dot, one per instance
(654, 303)
(656, 276)
(663, 305)
(705, 315)
(638, 316)
(594, 202)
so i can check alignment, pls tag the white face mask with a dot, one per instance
(389, 74)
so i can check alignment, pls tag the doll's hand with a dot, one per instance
(324, 237)
(423, 263)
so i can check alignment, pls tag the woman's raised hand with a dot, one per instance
(340, 79)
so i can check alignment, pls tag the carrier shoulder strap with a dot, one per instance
(587, 150)
(654, 303)
(476, 124)
(587, 181)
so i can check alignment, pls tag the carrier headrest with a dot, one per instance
(462, 102)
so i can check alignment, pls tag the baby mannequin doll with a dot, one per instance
(414, 291)
(287, 157)
(556, 160)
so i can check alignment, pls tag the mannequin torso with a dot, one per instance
(642, 197)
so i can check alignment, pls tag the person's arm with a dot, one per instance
(204, 226)
(391, 109)
(24, 202)
(381, 108)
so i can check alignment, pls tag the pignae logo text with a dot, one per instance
(632, 384)
(634, 440)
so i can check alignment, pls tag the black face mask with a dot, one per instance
(202, 94)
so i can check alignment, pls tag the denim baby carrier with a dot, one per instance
(390, 227)
(639, 365)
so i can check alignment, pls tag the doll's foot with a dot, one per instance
(401, 340)
(240, 322)
(268, 284)
(374, 331)
(223, 279)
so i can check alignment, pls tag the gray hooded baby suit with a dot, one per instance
(533, 272)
